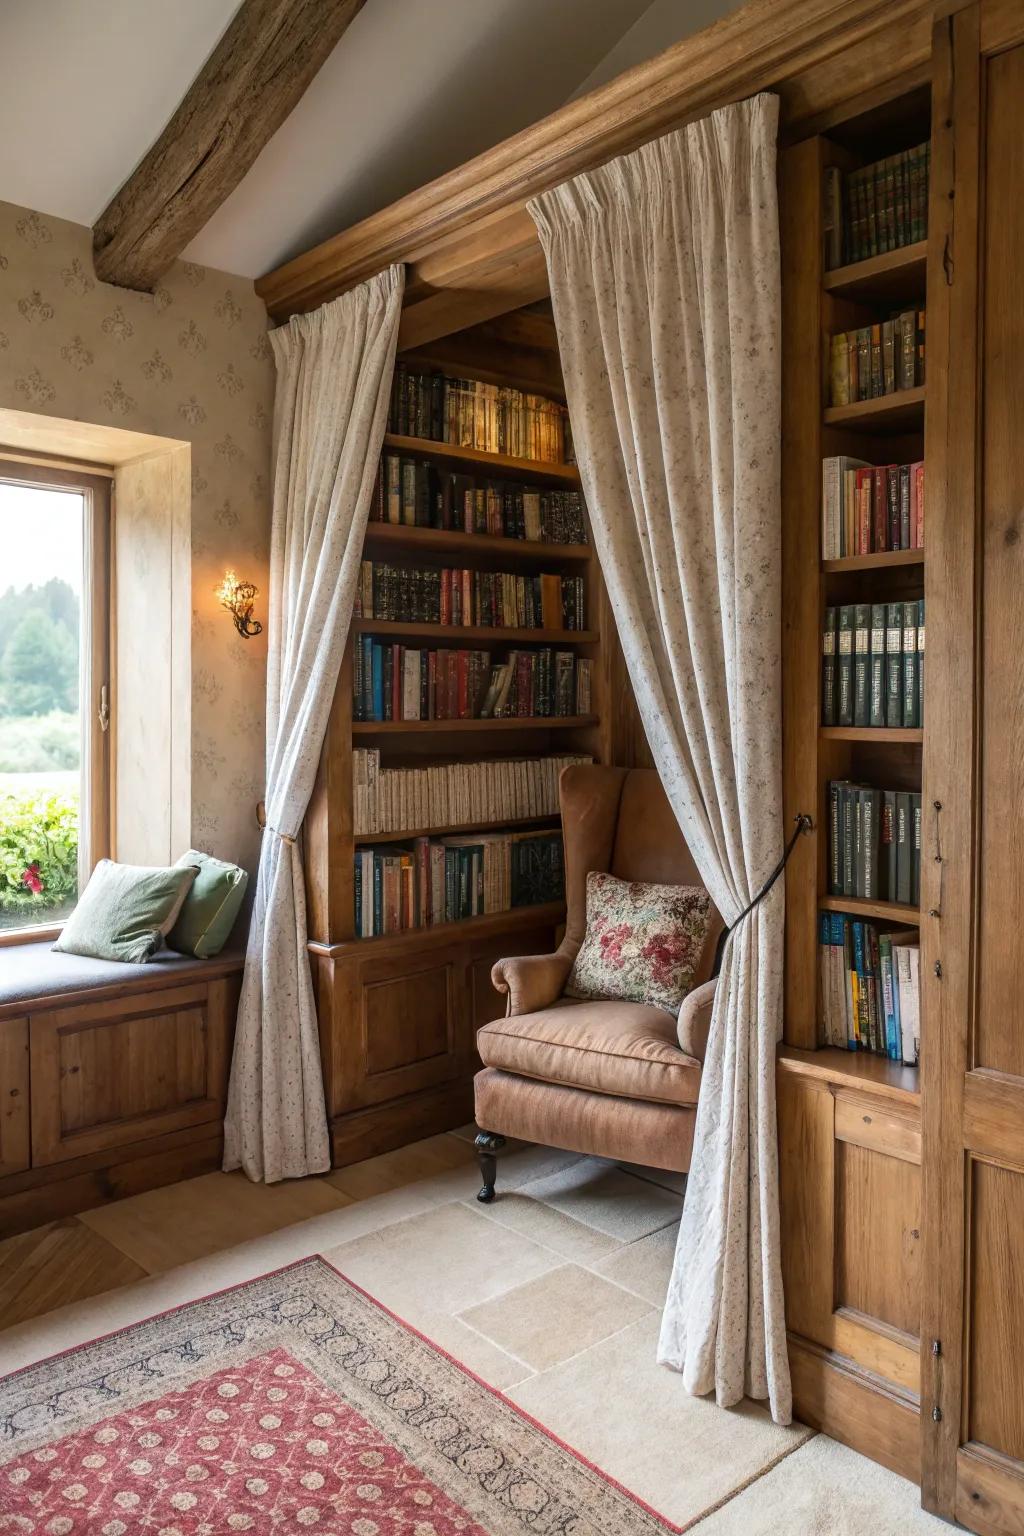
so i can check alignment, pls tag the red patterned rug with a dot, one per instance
(294, 1403)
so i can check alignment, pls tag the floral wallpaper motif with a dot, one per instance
(191, 361)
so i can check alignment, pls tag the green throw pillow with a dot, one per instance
(205, 921)
(125, 911)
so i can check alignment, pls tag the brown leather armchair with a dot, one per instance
(615, 1079)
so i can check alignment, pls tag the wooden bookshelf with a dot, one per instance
(849, 1120)
(398, 1012)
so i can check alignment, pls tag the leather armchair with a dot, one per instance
(616, 1079)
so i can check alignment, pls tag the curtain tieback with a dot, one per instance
(282, 835)
(804, 823)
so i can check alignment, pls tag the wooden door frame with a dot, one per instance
(94, 485)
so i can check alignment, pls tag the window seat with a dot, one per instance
(113, 1078)
(33, 976)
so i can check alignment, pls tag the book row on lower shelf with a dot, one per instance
(415, 494)
(398, 682)
(873, 665)
(877, 360)
(870, 988)
(452, 878)
(496, 418)
(876, 208)
(484, 793)
(490, 599)
(870, 509)
(874, 843)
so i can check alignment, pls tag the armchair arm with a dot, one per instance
(695, 1020)
(531, 981)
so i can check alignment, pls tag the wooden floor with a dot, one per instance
(127, 1240)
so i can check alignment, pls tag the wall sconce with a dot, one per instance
(238, 597)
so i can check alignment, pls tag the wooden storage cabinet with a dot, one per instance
(14, 1104)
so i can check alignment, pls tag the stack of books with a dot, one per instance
(868, 509)
(398, 682)
(873, 664)
(878, 208)
(877, 360)
(485, 793)
(452, 878)
(493, 417)
(870, 988)
(413, 494)
(874, 840)
(490, 599)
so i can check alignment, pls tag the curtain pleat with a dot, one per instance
(665, 282)
(334, 370)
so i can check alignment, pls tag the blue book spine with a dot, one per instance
(896, 1022)
(359, 895)
(378, 896)
(860, 1021)
(378, 683)
(366, 676)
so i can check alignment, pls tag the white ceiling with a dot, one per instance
(413, 88)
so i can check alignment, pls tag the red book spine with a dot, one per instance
(463, 685)
(523, 689)
(446, 597)
(919, 525)
(881, 531)
(468, 616)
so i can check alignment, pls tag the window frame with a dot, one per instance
(94, 484)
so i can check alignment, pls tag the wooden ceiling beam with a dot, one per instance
(813, 52)
(254, 77)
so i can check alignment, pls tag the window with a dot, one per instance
(54, 690)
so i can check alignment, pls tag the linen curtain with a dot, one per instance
(664, 272)
(334, 370)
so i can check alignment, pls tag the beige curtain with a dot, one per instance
(334, 371)
(664, 270)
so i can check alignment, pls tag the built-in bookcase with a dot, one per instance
(398, 1012)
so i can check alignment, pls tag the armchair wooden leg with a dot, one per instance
(488, 1146)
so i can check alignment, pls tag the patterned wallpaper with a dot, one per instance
(190, 361)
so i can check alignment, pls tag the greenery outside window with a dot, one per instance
(55, 695)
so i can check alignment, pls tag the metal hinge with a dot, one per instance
(104, 711)
(937, 1414)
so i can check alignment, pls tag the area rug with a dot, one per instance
(293, 1403)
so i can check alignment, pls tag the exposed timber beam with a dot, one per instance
(252, 80)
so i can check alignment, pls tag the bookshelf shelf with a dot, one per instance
(878, 562)
(392, 536)
(459, 632)
(885, 911)
(454, 829)
(887, 1079)
(896, 275)
(478, 459)
(490, 925)
(900, 412)
(486, 726)
(907, 735)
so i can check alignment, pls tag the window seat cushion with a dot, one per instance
(33, 976)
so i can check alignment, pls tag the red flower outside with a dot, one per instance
(32, 878)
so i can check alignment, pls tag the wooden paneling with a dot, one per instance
(995, 1415)
(110, 1073)
(878, 1236)
(856, 1407)
(989, 1493)
(806, 1114)
(14, 1096)
(409, 1020)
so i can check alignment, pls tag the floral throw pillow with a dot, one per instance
(643, 942)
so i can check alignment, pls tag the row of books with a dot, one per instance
(873, 664)
(878, 208)
(878, 359)
(496, 418)
(874, 843)
(482, 793)
(455, 596)
(447, 880)
(870, 988)
(867, 509)
(398, 682)
(415, 494)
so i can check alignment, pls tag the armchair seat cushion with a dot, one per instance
(628, 1050)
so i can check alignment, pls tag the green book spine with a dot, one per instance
(857, 799)
(844, 667)
(920, 661)
(915, 850)
(876, 700)
(911, 715)
(903, 847)
(893, 665)
(848, 821)
(862, 663)
(887, 838)
(828, 666)
(835, 838)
